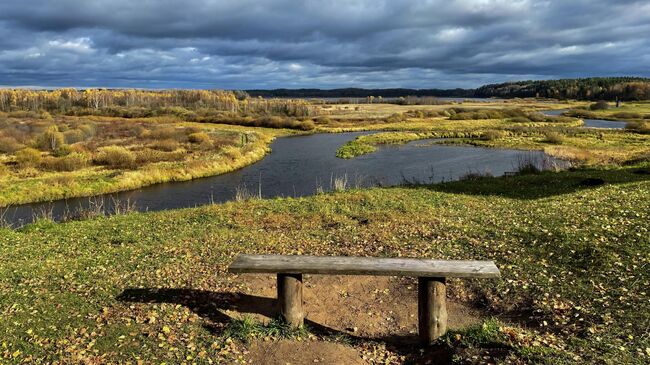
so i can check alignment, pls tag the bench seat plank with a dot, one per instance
(344, 265)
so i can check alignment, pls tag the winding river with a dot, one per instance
(591, 123)
(302, 165)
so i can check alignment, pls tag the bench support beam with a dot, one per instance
(432, 308)
(290, 299)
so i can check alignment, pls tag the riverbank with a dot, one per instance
(28, 185)
(572, 247)
(79, 170)
(564, 139)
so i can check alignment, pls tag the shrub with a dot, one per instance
(9, 145)
(579, 113)
(232, 153)
(323, 120)
(554, 137)
(24, 114)
(148, 155)
(628, 115)
(51, 139)
(115, 157)
(642, 127)
(163, 133)
(396, 118)
(73, 136)
(28, 157)
(4, 170)
(63, 150)
(520, 120)
(88, 130)
(492, 135)
(307, 125)
(71, 162)
(199, 137)
(168, 145)
(599, 105)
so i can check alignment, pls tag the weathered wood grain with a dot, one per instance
(344, 265)
(432, 309)
(290, 299)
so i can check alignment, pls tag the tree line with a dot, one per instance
(596, 88)
(89, 100)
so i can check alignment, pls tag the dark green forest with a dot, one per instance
(595, 88)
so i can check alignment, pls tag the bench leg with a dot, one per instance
(290, 299)
(432, 309)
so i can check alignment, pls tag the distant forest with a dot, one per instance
(595, 88)
(359, 93)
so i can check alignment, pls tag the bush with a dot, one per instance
(28, 157)
(63, 150)
(628, 115)
(88, 130)
(168, 145)
(71, 162)
(4, 170)
(579, 113)
(554, 137)
(115, 157)
(51, 139)
(232, 153)
(307, 125)
(164, 133)
(9, 145)
(599, 105)
(492, 135)
(520, 120)
(74, 136)
(148, 155)
(642, 127)
(199, 137)
(323, 120)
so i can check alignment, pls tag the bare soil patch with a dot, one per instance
(364, 307)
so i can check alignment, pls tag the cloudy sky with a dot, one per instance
(244, 44)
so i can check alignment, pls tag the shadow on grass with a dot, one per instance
(542, 185)
(210, 306)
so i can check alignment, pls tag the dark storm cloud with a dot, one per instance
(282, 43)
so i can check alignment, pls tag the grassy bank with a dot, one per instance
(560, 137)
(572, 247)
(100, 155)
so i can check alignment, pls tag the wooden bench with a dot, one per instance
(431, 274)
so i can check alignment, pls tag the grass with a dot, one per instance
(74, 158)
(246, 328)
(122, 154)
(564, 139)
(573, 256)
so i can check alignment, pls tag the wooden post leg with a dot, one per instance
(432, 309)
(290, 299)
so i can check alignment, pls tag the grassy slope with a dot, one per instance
(573, 257)
(98, 180)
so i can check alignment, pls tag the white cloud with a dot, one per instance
(80, 45)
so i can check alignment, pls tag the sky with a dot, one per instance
(248, 44)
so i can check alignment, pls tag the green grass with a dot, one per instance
(153, 286)
(580, 145)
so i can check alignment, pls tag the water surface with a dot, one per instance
(591, 123)
(300, 166)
